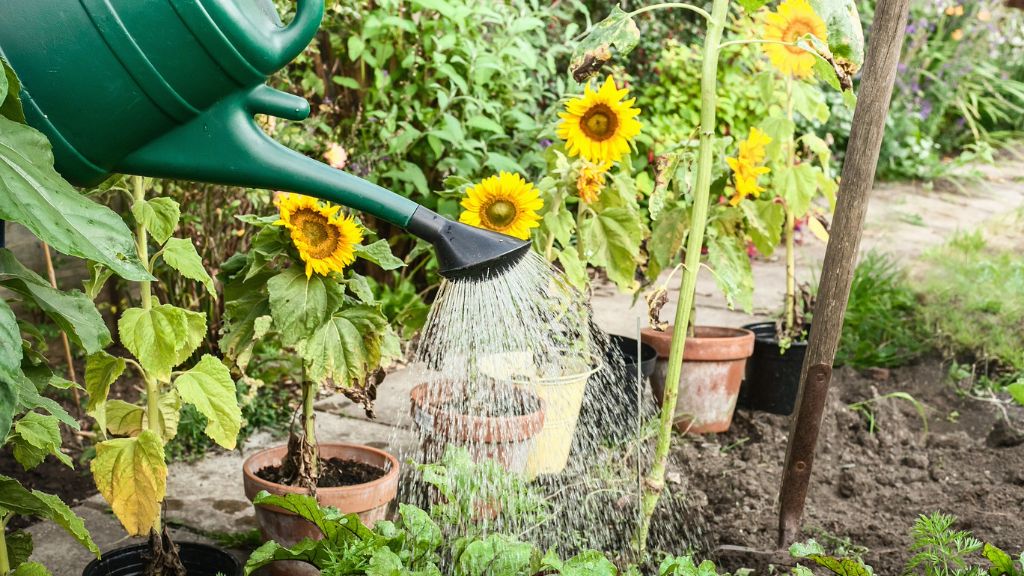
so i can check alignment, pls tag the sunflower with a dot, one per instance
(600, 125)
(326, 240)
(793, 20)
(504, 203)
(747, 166)
(590, 181)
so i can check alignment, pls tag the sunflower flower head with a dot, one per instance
(747, 166)
(793, 20)
(503, 203)
(590, 181)
(600, 125)
(325, 239)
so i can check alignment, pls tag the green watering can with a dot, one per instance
(169, 89)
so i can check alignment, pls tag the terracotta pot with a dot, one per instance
(369, 500)
(713, 366)
(506, 440)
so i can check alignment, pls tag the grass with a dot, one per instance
(883, 328)
(973, 300)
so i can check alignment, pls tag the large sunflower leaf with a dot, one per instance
(727, 257)
(34, 195)
(161, 337)
(345, 348)
(19, 547)
(159, 215)
(765, 220)
(181, 254)
(845, 33)
(29, 398)
(617, 31)
(10, 365)
(72, 310)
(380, 254)
(612, 240)
(300, 305)
(17, 499)
(10, 94)
(131, 475)
(31, 569)
(101, 370)
(8, 404)
(208, 386)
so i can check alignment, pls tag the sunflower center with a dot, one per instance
(501, 213)
(316, 231)
(795, 30)
(599, 123)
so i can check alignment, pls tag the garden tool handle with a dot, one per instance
(271, 49)
(291, 40)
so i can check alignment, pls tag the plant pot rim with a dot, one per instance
(94, 566)
(712, 343)
(768, 337)
(427, 397)
(645, 346)
(385, 484)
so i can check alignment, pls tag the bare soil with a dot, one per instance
(867, 488)
(334, 473)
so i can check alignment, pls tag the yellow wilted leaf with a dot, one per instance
(817, 228)
(131, 475)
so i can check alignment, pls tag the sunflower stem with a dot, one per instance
(790, 302)
(5, 562)
(680, 5)
(655, 480)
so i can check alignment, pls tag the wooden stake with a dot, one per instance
(879, 75)
(63, 335)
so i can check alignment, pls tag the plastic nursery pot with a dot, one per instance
(369, 500)
(199, 560)
(506, 439)
(713, 367)
(612, 400)
(563, 398)
(773, 376)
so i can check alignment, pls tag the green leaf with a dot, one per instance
(752, 5)
(30, 399)
(336, 529)
(486, 124)
(765, 220)
(161, 337)
(412, 174)
(589, 563)
(181, 254)
(98, 276)
(1016, 391)
(30, 569)
(299, 304)
(19, 547)
(359, 286)
(727, 257)
(35, 437)
(424, 534)
(131, 475)
(8, 404)
(17, 499)
(311, 551)
(384, 562)
(34, 195)
(612, 240)
(809, 102)
(72, 310)
(380, 254)
(345, 348)
(617, 31)
(160, 216)
(1002, 563)
(10, 346)
(670, 231)
(124, 419)
(575, 270)
(10, 95)
(797, 185)
(496, 554)
(101, 370)
(845, 34)
(827, 74)
(208, 386)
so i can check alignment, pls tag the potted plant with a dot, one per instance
(800, 174)
(295, 288)
(129, 468)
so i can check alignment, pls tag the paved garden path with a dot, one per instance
(206, 497)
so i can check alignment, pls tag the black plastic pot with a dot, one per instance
(199, 560)
(613, 397)
(773, 377)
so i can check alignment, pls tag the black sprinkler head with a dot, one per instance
(467, 252)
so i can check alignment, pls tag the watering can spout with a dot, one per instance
(225, 145)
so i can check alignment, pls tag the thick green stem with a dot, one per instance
(790, 304)
(309, 420)
(655, 481)
(679, 5)
(153, 416)
(5, 561)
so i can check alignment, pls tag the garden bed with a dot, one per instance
(867, 489)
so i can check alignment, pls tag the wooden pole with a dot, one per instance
(879, 75)
(68, 357)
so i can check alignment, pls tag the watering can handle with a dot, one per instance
(291, 40)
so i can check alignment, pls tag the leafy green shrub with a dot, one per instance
(973, 299)
(882, 326)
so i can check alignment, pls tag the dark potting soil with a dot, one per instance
(334, 473)
(867, 487)
(52, 477)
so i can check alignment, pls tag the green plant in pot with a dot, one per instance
(799, 161)
(295, 288)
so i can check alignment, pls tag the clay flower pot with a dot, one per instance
(199, 560)
(505, 439)
(369, 500)
(713, 366)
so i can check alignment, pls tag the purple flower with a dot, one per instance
(544, 143)
(926, 109)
